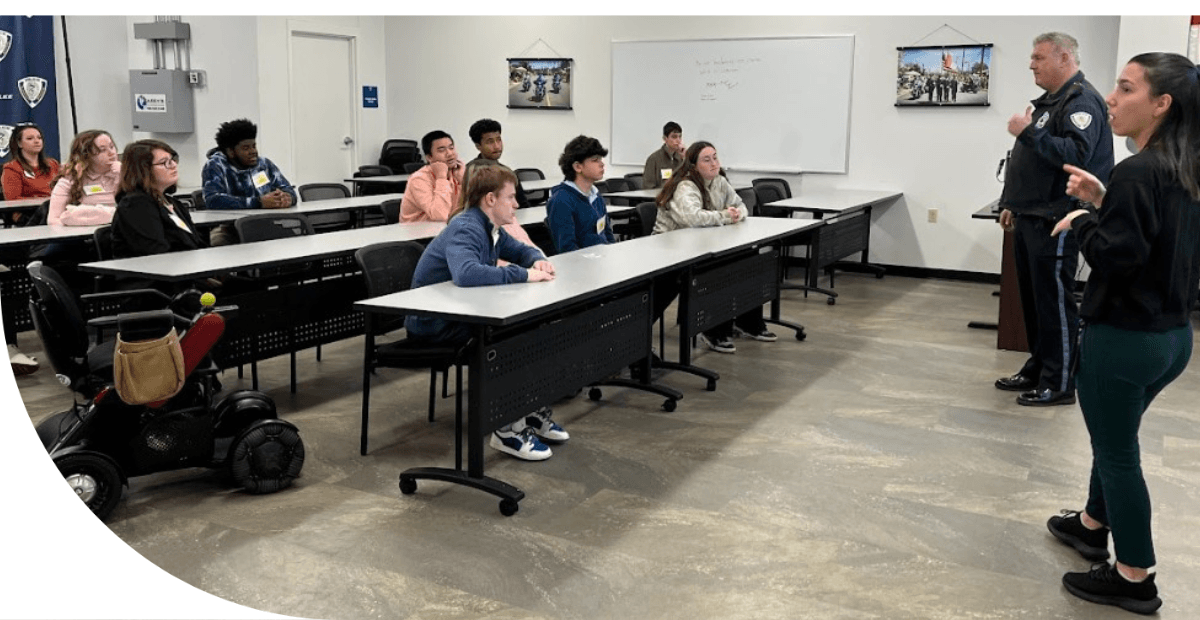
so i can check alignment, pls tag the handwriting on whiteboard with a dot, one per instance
(718, 75)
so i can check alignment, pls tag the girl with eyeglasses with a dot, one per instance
(148, 220)
(85, 193)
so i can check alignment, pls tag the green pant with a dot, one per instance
(1120, 373)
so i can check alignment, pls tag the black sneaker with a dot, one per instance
(1069, 528)
(1104, 585)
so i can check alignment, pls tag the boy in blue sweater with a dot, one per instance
(576, 213)
(466, 253)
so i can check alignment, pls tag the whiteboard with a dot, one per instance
(768, 105)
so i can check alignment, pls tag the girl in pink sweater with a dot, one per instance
(84, 193)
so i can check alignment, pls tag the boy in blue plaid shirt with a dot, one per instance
(235, 177)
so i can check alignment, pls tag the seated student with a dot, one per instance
(700, 195)
(85, 193)
(235, 177)
(466, 253)
(147, 220)
(28, 174)
(576, 212)
(485, 133)
(663, 162)
(434, 193)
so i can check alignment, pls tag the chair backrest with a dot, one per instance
(102, 240)
(373, 171)
(618, 184)
(769, 190)
(395, 157)
(397, 143)
(59, 322)
(323, 191)
(198, 199)
(635, 180)
(391, 211)
(265, 226)
(750, 199)
(388, 268)
(647, 215)
(413, 166)
(536, 196)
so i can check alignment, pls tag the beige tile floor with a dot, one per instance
(871, 471)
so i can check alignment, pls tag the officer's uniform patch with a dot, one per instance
(1041, 122)
(1081, 119)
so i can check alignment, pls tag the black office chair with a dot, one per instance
(265, 227)
(391, 211)
(635, 180)
(769, 190)
(102, 242)
(198, 200)
(395, 157)
(535, 197)
(639, 224)
(749, 199)
(388, 268)
(325, 222)
(413, 166)
(374, 188)
(616, 185)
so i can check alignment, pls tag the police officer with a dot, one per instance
(1068, 124)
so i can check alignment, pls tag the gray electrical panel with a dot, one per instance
(161, 101)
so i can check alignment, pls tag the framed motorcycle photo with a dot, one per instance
(948, 75)
(539, 83)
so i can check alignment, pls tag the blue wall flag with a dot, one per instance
(28, 90)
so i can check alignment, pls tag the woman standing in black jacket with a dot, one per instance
(147, 220)
(1142, 241)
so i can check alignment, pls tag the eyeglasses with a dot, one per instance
(168, 163)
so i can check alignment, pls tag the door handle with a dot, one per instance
(347, 141)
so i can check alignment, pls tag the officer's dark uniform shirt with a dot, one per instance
(1069, 127)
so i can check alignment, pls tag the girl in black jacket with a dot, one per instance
(1142, 241)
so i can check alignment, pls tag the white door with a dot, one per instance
(322, 97)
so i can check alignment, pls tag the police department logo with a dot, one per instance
(32, 89)
(5, 43)
(1081, 119)
(1042, 121)
(5, 136)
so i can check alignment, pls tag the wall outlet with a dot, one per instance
(933, 216)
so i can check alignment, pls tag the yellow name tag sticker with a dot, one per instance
(666, 175)
(600, 226)
(92, 190)
(260, 179)
(179, 222)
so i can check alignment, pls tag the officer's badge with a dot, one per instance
(5, 136)
(5, 43)
(32, 89)
(1081, 119)
(1041, 122)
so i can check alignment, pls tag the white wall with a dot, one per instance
(944, 159)
(246, 61)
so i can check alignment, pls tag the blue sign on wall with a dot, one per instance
(370, 96)
(28, 90)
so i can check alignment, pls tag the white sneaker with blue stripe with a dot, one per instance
(522, 444)
(545, 428)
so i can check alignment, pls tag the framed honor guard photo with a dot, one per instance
(947, 75)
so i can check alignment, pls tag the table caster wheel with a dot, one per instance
(408, 486)
(831, 301)
(594, 394)
(509, 507)
(800, 335)
(669, 405)
(711, 386)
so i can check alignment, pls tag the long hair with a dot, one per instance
(83, 148)
(686, 172)
(14, 147)
(484, 180)
(1176, 139)
(137, 167)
